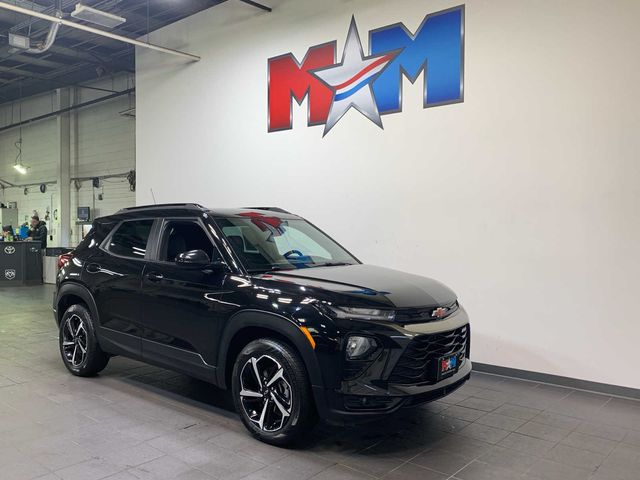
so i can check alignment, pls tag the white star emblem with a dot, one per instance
(350, 80)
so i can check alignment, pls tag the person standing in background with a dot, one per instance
(38, 231)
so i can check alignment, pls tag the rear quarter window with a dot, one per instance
(130, 239)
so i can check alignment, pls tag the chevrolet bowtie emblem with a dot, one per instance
(439, 312)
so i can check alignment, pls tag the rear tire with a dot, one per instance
(272, 392)
(79, 347)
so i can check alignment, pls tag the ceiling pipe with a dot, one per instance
(51, 37)
(257, 5)
(72, 179)
(97, 31)
(67, 109)
(55, 182)
(5, 183)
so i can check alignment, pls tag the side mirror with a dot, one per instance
(196, 258)
(199, 258)
(217, 266)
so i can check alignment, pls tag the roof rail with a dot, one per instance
(191, 206)
(270, 209)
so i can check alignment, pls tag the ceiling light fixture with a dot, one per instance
(18, 165)
(93, 15)
(96, 31)
(20, 168)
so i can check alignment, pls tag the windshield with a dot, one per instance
(267, 243)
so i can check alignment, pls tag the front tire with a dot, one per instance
(272, 392)
(79, 347)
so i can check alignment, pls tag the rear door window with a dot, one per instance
(131, 238)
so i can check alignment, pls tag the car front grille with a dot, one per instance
(422, 315)
(419, 362)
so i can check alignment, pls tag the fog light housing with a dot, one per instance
(359, 347)
(370, 403)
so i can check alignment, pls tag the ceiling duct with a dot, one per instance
(51, 37)
(93, 15)
(23, 43)
(78, 26)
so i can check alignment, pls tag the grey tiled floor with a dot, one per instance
(136, 421)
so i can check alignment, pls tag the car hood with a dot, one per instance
(371, 285)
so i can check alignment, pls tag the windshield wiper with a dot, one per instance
(270, 269)
(277, 268)
(330, 264)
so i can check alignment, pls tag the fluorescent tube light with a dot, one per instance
(93, 15)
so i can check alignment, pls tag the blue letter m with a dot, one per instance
(436, 48)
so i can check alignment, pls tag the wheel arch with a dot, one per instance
(71, 293)
(250, 325)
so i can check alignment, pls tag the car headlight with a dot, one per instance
(363, 313)
(359, 347)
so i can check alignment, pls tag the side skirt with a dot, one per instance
(148, 351)
(179, 360)
(119, 343)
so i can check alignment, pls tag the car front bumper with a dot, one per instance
(374, 392)
(337, 407)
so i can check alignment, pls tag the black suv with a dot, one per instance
(259, 301)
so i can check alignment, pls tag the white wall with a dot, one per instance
(102, 143)
(523, 198)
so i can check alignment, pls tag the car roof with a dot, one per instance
(189, 209)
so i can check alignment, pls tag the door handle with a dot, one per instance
(154, 276)
(93, 268)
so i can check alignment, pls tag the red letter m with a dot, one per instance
(290, 79)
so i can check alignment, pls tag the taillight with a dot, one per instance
(64, 259)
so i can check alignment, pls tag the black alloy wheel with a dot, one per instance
(79, 347)
(272, 392)
(74, 340)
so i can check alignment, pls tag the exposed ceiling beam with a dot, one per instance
(91, 58)
(70, 76)
(24, 79)
(55, 79)
(67, 109)
(22, 73)
(257, 5)
(79, 57)
(37, 61)
(96, 31)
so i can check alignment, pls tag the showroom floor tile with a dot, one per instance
(135, 421)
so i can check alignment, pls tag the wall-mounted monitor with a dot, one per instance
(84, 214)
